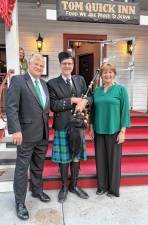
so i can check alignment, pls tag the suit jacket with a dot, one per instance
(24, 110)
(60, 99)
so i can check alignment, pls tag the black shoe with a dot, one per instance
(62, 196)
(100, 192)
(21, 211)
(111, 194)
(42, 196)
(78, 191)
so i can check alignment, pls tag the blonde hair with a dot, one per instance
(107, 66)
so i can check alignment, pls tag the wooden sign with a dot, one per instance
(98, 11)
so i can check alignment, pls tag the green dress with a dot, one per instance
(111, 109)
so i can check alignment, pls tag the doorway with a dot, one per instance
(86, 67)
(85, 48)
(112, 51)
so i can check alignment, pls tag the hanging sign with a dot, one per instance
(98, 11)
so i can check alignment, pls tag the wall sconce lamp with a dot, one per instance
(130, 47)
(39, 42)
(77, 44)
(38, 3)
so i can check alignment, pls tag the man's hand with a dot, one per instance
(76, 100)
(17, 138)
(81, 105)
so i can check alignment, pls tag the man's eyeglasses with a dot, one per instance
(67, 64)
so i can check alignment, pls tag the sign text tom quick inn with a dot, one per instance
(97, 11)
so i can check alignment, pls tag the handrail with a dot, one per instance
(7, 78)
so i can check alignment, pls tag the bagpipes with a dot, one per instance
(79, 121)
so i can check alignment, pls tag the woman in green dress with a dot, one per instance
(110, 120)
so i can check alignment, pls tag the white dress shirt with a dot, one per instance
(41, 88)
(65, 78)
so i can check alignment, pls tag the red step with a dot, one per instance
(129, 147)
(139, 121)
(134, 132)
(131, 133)
(134, 168)
(89, 148)
(51, 134)
(50, 122)
(91, 182)
(129, 168)
(136, 113)
(129, 165)
(135, 147)
(135, 165)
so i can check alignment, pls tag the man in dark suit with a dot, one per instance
(65, 97)
(27, 109)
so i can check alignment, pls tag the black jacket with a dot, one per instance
(24, 110)
(60, 99)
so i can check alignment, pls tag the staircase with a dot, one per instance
(134, 159)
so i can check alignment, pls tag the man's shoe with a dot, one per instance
(111, 194)
(62, 196)
(100, 192)
(21, 211)
(78, 191)
(42, 196)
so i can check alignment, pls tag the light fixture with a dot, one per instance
(77, 44)
(38, 3)
(130, 47)
(39, 42)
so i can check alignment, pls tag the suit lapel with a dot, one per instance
(76, 85)
(32, 88)
(63, 86)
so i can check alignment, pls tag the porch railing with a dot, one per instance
(4, 81)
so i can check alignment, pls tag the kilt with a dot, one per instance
(60, 149)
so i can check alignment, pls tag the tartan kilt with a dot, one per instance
(60, 149)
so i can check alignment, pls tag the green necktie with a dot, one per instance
(38, 91)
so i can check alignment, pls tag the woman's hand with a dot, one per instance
(91, 131)
(121, 137)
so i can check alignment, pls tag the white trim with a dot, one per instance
(6, 186)
(51, 14)
(143, 20)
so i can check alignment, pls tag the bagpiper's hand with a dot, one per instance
(75, 100)
(81, 105)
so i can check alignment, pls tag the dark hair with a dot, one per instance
(64, 55)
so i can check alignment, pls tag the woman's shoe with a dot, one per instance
(111, 194)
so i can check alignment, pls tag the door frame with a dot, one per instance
(84, 37)
(131, 66)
